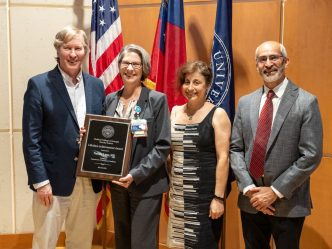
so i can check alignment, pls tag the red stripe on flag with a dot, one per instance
(99, 210)
(175, 56)
(108, 56)
(157, 74)
(157, 57)
(90, 65)
(116, 84)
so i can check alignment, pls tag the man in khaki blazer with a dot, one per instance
(277, 202)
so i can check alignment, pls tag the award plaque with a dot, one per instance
(105, 148)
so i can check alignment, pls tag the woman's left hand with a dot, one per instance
(124, 181)
(216, 209)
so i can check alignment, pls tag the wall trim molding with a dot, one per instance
(23, 240)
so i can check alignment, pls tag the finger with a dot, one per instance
(258, 206)
(267, 211)
(41, 199)
(123, 179)
(126, 180)
(117, 182)
(50, 198)
(255, 204)
(254, 199)
(124, 185)
(253, 190)
(47, 201)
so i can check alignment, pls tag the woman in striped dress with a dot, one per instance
(200, 145)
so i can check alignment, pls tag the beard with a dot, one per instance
(275, 77)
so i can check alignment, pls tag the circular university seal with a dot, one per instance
(107, 131)
(222, 72)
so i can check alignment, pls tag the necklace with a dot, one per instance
(190, 116)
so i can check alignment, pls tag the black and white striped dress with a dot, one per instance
(193, 178)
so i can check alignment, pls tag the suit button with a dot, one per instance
(76, 159)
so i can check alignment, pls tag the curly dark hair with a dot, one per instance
(192, 67)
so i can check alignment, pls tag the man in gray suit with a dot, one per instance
(273, 164)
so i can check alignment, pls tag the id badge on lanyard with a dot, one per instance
(139, 127)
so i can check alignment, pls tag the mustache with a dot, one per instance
(275, 69)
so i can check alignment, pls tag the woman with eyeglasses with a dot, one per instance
(137, 197)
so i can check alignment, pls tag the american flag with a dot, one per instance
(106, 43)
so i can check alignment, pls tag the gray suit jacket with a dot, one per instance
(148, 160)
(293, 151)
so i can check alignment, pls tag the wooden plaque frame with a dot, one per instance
(105, 148)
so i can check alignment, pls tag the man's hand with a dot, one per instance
(45, 195)
(262, 198)
(82, 133)
(125, 181)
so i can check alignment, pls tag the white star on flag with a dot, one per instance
(101, 8)
(102, 22)
(106, 43)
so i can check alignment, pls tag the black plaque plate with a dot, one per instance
(105, 148)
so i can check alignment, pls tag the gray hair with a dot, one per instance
(281, 46)
(141, 52)
(67, 34)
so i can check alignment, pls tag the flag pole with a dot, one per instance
(282, 21)
(104, 225)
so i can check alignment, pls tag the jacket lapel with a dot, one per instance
(288, 99)
(254, 110)
(113, 104)
(58, 83)
(142, 102)
(88, 93)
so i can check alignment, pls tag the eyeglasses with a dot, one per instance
(272, 58)
(135, 65)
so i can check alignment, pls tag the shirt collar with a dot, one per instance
(68, 80)
(279, 89)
